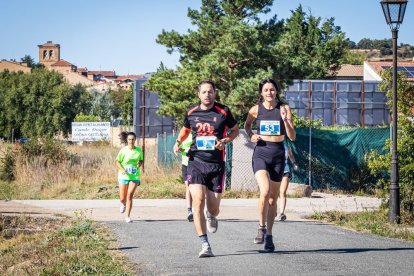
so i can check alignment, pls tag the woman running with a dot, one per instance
(274, 121)
(128, 161)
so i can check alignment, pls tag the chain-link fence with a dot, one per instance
(166, 157)
(326, 158)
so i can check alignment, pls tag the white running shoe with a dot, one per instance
(128, 220)
(212, 223)
(205, 251)
(122, 208)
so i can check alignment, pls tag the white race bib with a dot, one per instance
(131, 169)
(270, 127)
(206, 142)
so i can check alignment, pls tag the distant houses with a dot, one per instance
(49, 56)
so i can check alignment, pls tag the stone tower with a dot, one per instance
(49, 53)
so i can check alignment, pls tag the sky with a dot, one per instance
(120, 34)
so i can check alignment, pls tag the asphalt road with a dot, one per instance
(161, 242)
(170, 247)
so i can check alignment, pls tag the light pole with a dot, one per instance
(394, 14)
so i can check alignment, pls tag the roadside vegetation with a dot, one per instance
(52, 170)
(373, 222)
(57, 246)
(378, 165)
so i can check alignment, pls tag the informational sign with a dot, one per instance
(91, 131)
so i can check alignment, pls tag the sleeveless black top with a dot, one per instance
(276, 124)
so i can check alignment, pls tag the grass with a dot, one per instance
(374, 222)
(90, 173)
(53, 246)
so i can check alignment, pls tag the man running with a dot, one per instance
(208, 121)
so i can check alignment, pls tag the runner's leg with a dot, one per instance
(130, 195)
(198, 194)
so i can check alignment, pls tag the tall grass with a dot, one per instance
(86, 172)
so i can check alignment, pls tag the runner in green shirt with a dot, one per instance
(185, 147)
(128, 161)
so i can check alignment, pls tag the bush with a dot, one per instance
(7, 165)
(381, 164)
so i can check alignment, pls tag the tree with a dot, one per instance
(28, 60)
(380, 164)
(41, 103)
(102, 105)
(236, 49)
(353, 58)
(31, 63)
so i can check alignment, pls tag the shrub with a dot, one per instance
(381, 164)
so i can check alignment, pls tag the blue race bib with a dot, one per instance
(205, 142)
(270, 127)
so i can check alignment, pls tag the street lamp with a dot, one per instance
(394, 14)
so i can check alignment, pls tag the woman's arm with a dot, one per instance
(292, 159)
(251, 117)
(119, 166)
(286, 114)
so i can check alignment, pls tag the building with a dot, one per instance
(14, 66)
(50, 57)
(372, 69)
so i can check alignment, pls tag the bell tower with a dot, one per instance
(49, 53)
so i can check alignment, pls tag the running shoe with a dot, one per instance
(128, 220)
(261, 232)
(190, 217)
(281, 217)
(205, 251)
(212, 223)
(269, 246)
(122, 208)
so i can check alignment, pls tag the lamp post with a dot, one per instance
(394, 14)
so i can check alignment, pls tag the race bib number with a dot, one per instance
(205, 142)
(270, 127)
(131, 169)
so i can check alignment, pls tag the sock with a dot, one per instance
(203, 238)
(209, 215)
(262, 227)
(189, 210)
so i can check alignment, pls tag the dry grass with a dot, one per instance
(89, 174)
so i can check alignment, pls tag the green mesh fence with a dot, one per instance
(165, 154)
(166, 157)
(337, 157)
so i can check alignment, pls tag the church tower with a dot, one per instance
(49, 53)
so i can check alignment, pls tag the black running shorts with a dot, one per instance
(205, 173)
(269, 156)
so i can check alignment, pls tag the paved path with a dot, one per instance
(302, 248)
(172, 209)
(161, 242)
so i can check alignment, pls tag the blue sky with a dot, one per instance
(120, 35)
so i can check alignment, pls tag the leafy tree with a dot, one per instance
(86, 118)
(309, 47)
(128, 105)
(41, 103)
(380, 164)
(28, 60)
(236, 49)
(102, 105)
(353, 58)
(31, 63)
